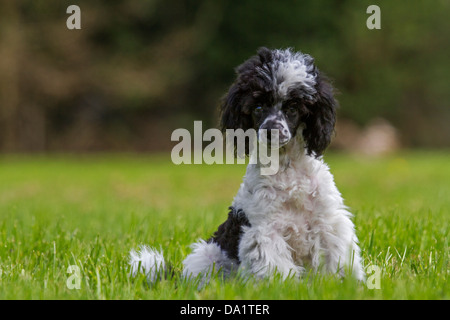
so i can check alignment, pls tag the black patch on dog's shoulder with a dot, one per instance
(229, 233)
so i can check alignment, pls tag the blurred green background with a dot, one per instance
(138, 69)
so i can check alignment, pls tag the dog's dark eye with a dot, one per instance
(258, 109)
(291, 110)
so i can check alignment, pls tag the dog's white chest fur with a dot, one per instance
(283, 206)
(296, 212)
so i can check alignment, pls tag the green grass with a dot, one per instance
(90, 211)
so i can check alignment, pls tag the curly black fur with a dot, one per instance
(320, 119)
(236, 107)
(228, 234)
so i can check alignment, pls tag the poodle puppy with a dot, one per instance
(292, 220)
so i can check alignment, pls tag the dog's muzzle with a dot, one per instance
(274, 134)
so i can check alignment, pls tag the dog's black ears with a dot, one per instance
(235, 108)
(233, 113)
(321, 118)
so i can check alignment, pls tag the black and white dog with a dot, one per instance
(292, 220)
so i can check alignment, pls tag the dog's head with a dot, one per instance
(282, 90)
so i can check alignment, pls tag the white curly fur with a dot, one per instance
(297, 219)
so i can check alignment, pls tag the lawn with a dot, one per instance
(87, 212)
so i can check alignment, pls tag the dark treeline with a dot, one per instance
(138, 69)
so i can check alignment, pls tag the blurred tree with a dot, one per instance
(11, 41)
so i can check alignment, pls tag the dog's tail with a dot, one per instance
(148, 261)
(206, 259)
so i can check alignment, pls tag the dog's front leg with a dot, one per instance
(266, 253)
(341, 243)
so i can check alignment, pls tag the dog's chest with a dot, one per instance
(294, 218)
(291, 193)
(284, 205)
